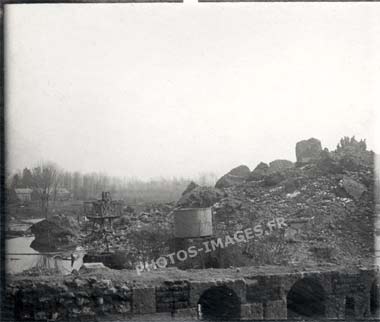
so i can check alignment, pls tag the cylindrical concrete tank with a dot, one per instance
(192, 222)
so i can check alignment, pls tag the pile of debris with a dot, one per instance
(196, 196)
(56, 233)
(141, 233)
(326, 199)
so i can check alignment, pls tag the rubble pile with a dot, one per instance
(55, 233)
(200, 197)
(326, 198)
(136, 236)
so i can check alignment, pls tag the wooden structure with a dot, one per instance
(101, 213)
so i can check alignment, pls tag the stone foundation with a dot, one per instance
(259, 296)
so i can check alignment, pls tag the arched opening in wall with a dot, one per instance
(374, 298)
(219, 303)
(349, 307)
(306, 298)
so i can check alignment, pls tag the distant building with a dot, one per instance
(63, 194)
(24, 194)
(60, 194)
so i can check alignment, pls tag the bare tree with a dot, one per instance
(45, 178)
(57, 183)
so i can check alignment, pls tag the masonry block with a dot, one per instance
(335, 307)
(275, 310)
(257, 311)
(144, 300)
(251, 311)
(245, 311)
(189, 313)
(362, 307)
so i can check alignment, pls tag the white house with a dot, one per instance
(24, 194)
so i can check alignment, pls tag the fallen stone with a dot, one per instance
(308, 150)
(241, 171)
(259, 172)
(234, 177)
(353, 188)
(280, 165)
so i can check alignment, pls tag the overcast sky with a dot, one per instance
(152, 90)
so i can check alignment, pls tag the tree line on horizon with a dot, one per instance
(47, 177)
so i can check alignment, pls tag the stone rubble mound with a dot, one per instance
(55, 233)
(200, 197)
(326, 198)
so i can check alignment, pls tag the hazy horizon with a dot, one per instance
(174, 90)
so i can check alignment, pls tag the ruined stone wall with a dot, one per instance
(261, 297)
(87, 298)
(173, 296)
(72, 299)
(356, 286)
(267, 295)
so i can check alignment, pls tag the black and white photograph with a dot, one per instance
(191, 161)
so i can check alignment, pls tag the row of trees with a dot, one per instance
(46, 178)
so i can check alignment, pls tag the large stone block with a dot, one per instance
(257, 311)
(144, 300)
(280, 165)
(235, 176)
(308, 150)
(353, 188)
(245, 311)
(189, 313)
(275, 310)
(251, 311)
(259, 172)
